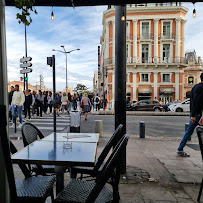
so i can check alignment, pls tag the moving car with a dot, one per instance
(145, 105)
(184, 106)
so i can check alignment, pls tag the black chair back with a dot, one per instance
(30, 133)
(108, 169)
(112, 142)
(200, 138)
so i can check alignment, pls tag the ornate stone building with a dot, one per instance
(155, 36)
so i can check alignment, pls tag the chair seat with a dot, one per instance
(35, 189)
(77, 191)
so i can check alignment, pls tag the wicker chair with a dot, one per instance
(93, 171)
(200, 138)
(30, 133)
(80, 191)
(32, 189)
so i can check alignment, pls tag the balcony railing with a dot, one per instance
(145, 36)
(149, 60)
(167, 36)
(129, 37)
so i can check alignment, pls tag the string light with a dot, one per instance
(194, 11)
(52, 14)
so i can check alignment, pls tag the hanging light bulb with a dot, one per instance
(52, 14)
(194, 11)
(123, 17)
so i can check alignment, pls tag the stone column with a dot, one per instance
(113, 88)
(106, 53)
(113, 40)
(177, 51)
(176, 86)
(183, 38)
(155, 86)
(156, 40)
(134, 86)
(134, 41)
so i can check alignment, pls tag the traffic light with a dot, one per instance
(21, 78)
(25, 78)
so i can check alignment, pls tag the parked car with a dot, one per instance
(184, 106)
(145, 105)
(166, 106)
(128, 106)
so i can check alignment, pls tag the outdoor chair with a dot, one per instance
(93, 171)
(30, 133)
(32, 189)
(80, 191)
(200, 138)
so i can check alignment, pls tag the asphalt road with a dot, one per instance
(166, 126)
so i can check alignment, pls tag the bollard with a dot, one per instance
(186, 125)
(99, 127)
(142, 129)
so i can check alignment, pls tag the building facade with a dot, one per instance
(155, 38)
(192, 72)
(96, 83)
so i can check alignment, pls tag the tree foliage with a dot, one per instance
(81, 87)
(26, 7)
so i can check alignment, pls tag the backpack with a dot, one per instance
(97, 99)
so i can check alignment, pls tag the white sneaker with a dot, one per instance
(13, 125)
(19, 126)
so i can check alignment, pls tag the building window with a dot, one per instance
(190, 80)
(145, 53)
(166, 53)
(144, 78)
(127, 50)
(166, 77)
(145, 30)
(166, 30)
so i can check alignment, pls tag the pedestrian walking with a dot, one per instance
(64, 102)
(45, 101)
(97, 102)
(10, 95)
(34, 103)
(40, 103)
(74, 102)
(18, 100)
(196, 107)
(58, 103)
(78, 103)
(85, 105)
(70, 102)
(50, 102)
(27, 104)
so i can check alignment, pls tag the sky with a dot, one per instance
(75, 28)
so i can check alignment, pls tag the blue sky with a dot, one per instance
(74, 28)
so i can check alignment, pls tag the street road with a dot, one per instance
(166, 126)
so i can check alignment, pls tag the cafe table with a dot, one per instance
(54, 153)
(72, 137)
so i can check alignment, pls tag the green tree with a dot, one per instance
(81, 87)
(25, 7)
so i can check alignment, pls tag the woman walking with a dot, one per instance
(85, 105)
(58, 103)
(74, 102)
(27, 104)
(50, 102)
(64, 100)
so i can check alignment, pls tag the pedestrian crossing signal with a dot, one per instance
(25, 78)
(21, 78)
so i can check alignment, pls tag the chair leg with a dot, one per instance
(200, 191)
(73, 175)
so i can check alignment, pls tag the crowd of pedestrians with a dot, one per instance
(38, 103)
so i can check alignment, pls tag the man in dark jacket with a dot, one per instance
(196, 107)
(10, 95)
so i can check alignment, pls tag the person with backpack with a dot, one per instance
(97, 101)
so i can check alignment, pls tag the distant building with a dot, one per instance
(41, 80)
(70, 90)
(192, 72)
(95, 83)
(21, 85)
(155, 51)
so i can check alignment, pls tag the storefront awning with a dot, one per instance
(144, 90)
(166, 90)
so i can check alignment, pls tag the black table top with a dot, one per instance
(50, 153)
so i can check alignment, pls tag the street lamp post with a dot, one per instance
(66, 52)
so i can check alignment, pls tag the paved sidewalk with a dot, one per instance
(154, 173)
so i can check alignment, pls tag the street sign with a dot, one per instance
(22, 60)
(28, 70)
(25, 65)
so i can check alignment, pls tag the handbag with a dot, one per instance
(201, 120)
(82, 104)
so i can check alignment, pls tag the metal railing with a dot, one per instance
(145, 36)
(167, 36)
(148, 60)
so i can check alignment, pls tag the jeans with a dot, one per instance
(19, 112)
(27, 110)
(189, 131)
